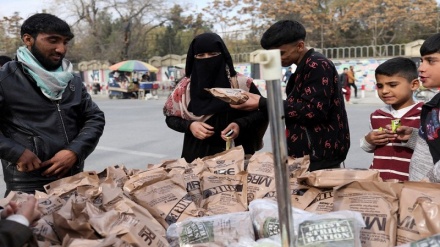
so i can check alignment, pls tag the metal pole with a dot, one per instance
(271, 72)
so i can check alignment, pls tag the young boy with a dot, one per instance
(425, 161)
(396, 80)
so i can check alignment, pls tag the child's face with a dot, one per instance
(429, 70)
(396, 91)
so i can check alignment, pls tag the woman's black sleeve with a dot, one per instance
(177, 123)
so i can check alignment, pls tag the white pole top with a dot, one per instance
(270, 61)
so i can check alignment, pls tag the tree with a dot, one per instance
(105, 26)
(334, 22)
(387, 21)
(10, 34)
(179, 32)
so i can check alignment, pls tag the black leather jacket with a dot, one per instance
(28, 119)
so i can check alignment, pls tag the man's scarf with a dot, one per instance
(51, 83)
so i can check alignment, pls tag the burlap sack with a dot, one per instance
(378, 203)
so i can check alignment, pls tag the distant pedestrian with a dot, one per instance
(352, 80)
(345, 87)
(287, 74)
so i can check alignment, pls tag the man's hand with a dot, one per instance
(29, 210)
(403, 133)
(9, 210)
(60, 163)
(201, 130)
(28, 161)
(250, 104)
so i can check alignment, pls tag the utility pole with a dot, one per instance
(375, 37)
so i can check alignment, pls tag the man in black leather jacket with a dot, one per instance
(48, 122)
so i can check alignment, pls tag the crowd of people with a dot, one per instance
(41, 144)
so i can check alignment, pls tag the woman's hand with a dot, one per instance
(235, 133)
(201, 130)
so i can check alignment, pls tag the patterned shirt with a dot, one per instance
(430, 126)
(316, 120)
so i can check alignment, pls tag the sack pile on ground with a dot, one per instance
(226, 200)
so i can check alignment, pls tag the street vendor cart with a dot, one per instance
(116, 90)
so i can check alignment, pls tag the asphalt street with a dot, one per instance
(136, 134)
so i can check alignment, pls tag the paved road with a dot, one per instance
(136, 134)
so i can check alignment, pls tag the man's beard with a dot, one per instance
(45, 62)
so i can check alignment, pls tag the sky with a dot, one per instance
(25, 7)
(29, 7)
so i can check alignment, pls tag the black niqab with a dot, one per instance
(208, 73)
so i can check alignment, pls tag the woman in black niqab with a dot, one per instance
(208, 73)
(205, 119)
